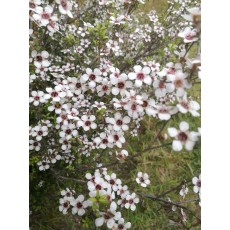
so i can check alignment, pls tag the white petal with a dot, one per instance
(189, 145)
(99, 221)
(176, 145)
(173, 132)
(184, 126)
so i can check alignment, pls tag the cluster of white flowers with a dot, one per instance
(94, 79)
(106, 195)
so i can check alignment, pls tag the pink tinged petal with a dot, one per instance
(180, 92)
(138, 83)
(137, 68)
(62, 10)
(37, 17)
(99, 221)
(132, 76)
(110, 223)
(184, 126)
(182, 109)
(45, 63)
(80, 198)
(189, 145)
(146, 70)
(129, 84)
(97, 72)
(113, 206)
(196, 189)
(93, 126)
(44, 54)
(194, 180)
(177, 146)
(69, 14)
(164, 116)
(37, 64)
(133, 207)
(148, 80)
(115, 91)
(193, 136)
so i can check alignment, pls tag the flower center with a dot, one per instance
(32, 5)
(87, 123)
(79, 205)
(161, 85)
(98, 187)
(112, 182)
(105, 87)
(68, 131)
(178, 83)
(39, 58)
(140, 76)
(145, 104)
(78, 85)
(92, 77)
(198, 183)
(131, 201)
(121, 85)
(134, 107)
(120, 226)
(64, 4)
(45, 15)
(119, 122)
(182, 136)
(54, 94)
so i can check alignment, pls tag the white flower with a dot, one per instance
(68, 194)
(105, 88)
(79, 205)
(39, 132)
(43, 15)
(117, 138)
(113, 181)
(121, 84)
(164, 112)
(118, 122)
(56, 94)
(43, 165)
(131, 201)
(197, 184)
(40, 59)
(183, 137)
(121, 225)
(64, 205)
(64, 7)
(92, 76)
(183, 191)
(141, 75)
(178, 83)
(143, 179)
(37, 96)
(122, 154)
(108, 217)
(87, 122)
(185, 105)
(189, 35)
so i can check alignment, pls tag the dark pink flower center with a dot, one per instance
(119, 122)
(45, 15)
(140, 76)
(182, 136)
(79, 205)
(121, 85)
